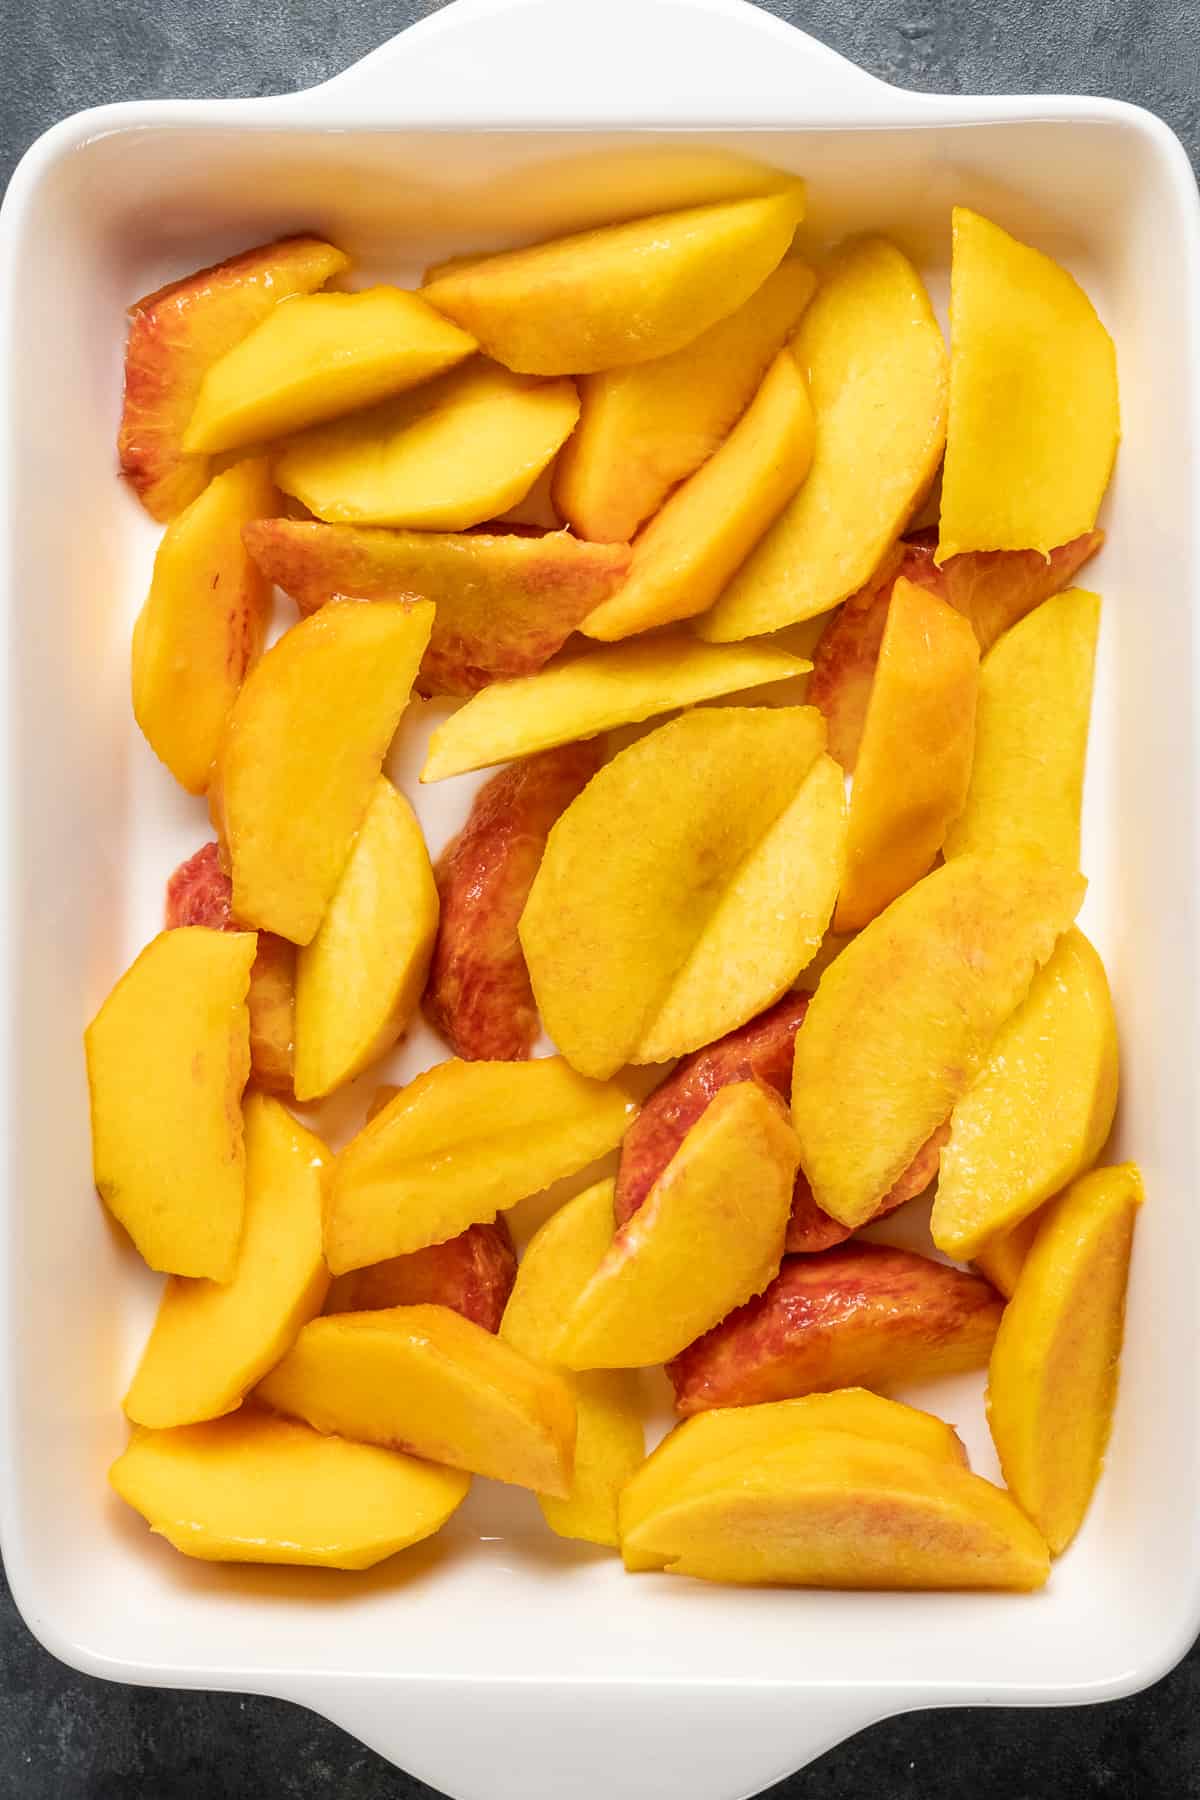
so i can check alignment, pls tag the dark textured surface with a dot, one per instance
(66, 1738)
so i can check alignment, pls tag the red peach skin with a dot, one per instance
(861, 1315)
(479, 996)
(473, 1274)
(200, 893)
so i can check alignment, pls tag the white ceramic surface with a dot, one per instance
(495, 1663)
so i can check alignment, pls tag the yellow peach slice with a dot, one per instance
(915, 761)
(211, 1343)
(840, 1510)
(202, 626)
(459, 1144)
(560, 1260)
(253, 1488)
(622, 293)
(647, 426)
(582, 696)
(302, 752)
(473, 1273)
(876, 368)
(425, 1380)
(167, 1058)
(359, 980)
(708, 526)
(1034, 414)
(317, 357)
(708, 1236)
(686, 887)
(1002, 1257)
(1052, 1383)
(450, 454)
(1031, 733)
(1039, 1110)
(904, 1019)
(175, 336)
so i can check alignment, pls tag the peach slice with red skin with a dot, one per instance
(472, 1274)
(479, 995)
(858, 1315)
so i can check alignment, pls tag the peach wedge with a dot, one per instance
(1034, 416)
(425, 1380)
(1052, 1382)
(622, 293)
(167, 1058)
(472, 1273)
(210, 1342)
(302, 752)
(252, 1488)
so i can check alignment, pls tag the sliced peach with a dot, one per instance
(317, 357)
(1001, 1259)
(1034, 414)
(1052, 1383)
(915, 762)
(505, 603)
(450, 454)
(425, 1380)
(472, 1273)
(1040, 1109)
(253, 1488)
(622, 293)
(175, 336)
(302, 752)
(709, 1236)
(876, 367)
(210, 1342)
(647, 426)
(202, 626)
(167, 1057)
(904, 1019)
(479, 995)
(1035, 704)
(708, 526)
(581, 696)
(459, 1144)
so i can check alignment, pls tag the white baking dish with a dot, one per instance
(497, 1663)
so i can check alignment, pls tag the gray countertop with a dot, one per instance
(63, 1737)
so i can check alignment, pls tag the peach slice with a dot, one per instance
(876, 368)
(1052, 1383)
(167, 1058)
(837, 1509)
(708, 526)
(647, 426)
(175, 336)
(202, 626)
(1034, 414)
(472, 1274)
(584, 695)
(915, 763)
(459, 1144)
(252, 1488)
(860, 1314)
(317, 357)
(199, 892)
(709, 1236)
(450, 454)
(425, 1380)
(302, 752)
(1040, 1109)
(622, 293)
(1001, 1259)
(359, 980)
(1035, 704)
(904, 1019)
(686, 887)
(479, 995)
(211, 1343)
(609, 1445)
(505, 603)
